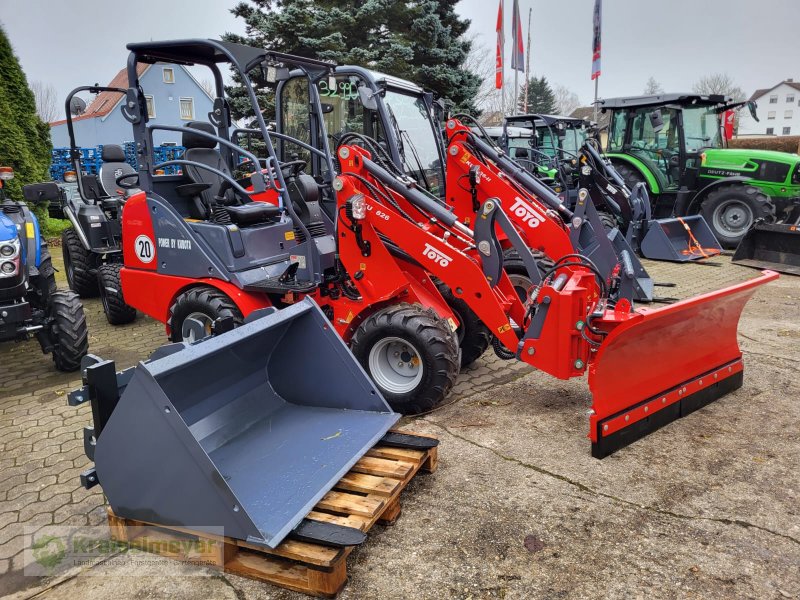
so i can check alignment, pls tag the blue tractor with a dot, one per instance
(30, 303)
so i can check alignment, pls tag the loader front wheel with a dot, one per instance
(473, 336)
(515, 268)
(114, 305)
(203, 304)
(79, 264)
(410, 354)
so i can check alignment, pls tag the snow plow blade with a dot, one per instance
(679, 240)
(773, 246)
(665, 363)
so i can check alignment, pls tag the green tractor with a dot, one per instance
(674, 143)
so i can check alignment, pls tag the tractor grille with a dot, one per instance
(316, 229)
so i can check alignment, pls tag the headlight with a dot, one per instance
(70, 176)
(9, 249)
(8, 268)
(358, 206)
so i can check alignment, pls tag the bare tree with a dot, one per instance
(566, 100)
(481, 63)
(652, 87)
(719, 83)
(46, 101)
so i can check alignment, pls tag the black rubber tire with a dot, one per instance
(515, 269)
(110, 286)
(608, 220)
(630, 175)
(69, 333)
(432, 338)
(472, 335)
(756, 200)
(203, 299)
(79, 264)
(45, 282)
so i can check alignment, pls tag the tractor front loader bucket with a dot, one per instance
(662, 364)
(771, 246)
(679, 239)
(244, 431)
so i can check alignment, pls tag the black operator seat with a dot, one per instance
(205, 186)
(113, 167)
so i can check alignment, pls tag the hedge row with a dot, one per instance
(784, 143)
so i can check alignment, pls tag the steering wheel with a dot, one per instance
(294, 167)
(128, 186)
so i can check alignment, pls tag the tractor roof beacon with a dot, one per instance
(674, 143)
(30, 304)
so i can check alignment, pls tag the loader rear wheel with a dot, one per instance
(79, 264)
(410, 354)
(630, 175)
(69, 333)
(608, 221)
(730, 210)
(117, 311)
(204, 304)
(515, 268)
(473, 336)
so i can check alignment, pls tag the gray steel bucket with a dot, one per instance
(770, 246)
(245, 431)
(667, 239)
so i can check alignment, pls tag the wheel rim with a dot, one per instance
(733, 217)
(395, 365)
(522, 285)
(187, 333)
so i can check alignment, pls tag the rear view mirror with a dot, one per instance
(656, 121)
(41, 193)
(752, 106)
(367, 98)
(77, 106)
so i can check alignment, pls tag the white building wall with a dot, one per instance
(778, 113)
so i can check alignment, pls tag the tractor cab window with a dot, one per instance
(295, 120)
(701, 129)
(616, 135)
(419, 149)
(660, 150)
(344, 111)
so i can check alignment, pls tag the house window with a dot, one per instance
(169, 75)
(187, 109)
(771, 115)
(787, 114)
(770, 131)
(151, 107)
(787, 130)
(790, 98)
(773, 99)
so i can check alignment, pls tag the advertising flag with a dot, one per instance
(518, 56)
(501, 42)
(597, 26)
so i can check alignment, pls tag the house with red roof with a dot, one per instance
(778, 111)
(174, 97)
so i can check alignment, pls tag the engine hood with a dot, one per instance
(8, 230)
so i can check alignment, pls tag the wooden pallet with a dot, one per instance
(369, 493)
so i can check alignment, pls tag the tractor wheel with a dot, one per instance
(472, 335)
(410, 354)
(78, 262)
(45, 281)
(518, 274)
(204, 304)
(608, 221)
(69, 334)
(108, 281)
(730, 210)
(629, 174)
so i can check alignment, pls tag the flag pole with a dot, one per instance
(596, 83)
(528, 61)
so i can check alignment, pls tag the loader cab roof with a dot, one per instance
(544, 120)
(663, 99)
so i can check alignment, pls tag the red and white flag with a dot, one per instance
(518, 56)
(501, 42)
(596, 27)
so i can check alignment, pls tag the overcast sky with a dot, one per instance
(77, 42)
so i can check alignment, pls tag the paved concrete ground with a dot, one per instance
(705, 508)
